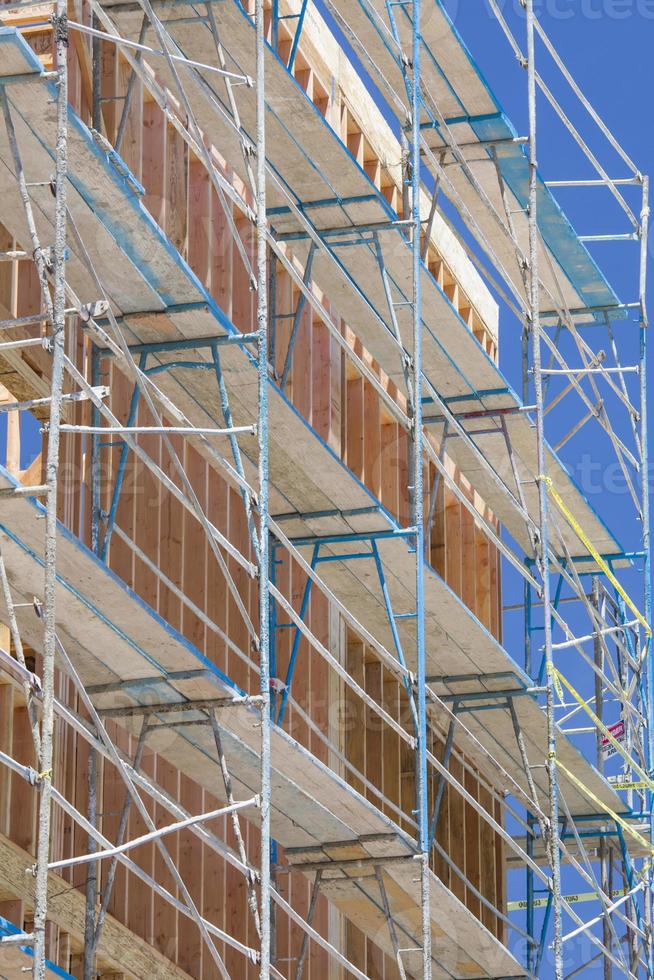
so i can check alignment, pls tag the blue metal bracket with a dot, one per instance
(120, 473)
(298, 32)
(440, 789)
(290, 670)
(297, 318)
(316, 559)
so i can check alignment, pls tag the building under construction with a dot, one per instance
(317, 659)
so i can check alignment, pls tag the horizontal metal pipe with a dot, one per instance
(592, 183)
(37, 491)
(634, 369)
(83, 29)
(102, 391)
(129, 711)
(26, 321)
(158, 430)
(154, 835)
(30, 342)
(591, 636)
(188, 343)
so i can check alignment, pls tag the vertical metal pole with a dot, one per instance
(534, 303)
(647, 569)
(52, 466)
(315, 893)
(527, 624)
(607, 937)
(92, 873)
(262, 435)
(531, 930)
(524, 344)
(272, 308)
(274, 27)
(96, 469)
(107, 890)
(417, 498)
(598, 653)
(96, 69)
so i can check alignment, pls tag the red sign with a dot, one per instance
(618, 732)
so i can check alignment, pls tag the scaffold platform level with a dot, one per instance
(310, 483)
(592, 844)
(477, 123)
(127, 655)
(318, 169)
(453, 959)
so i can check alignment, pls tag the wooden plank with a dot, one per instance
(488, 865)
(372, 439)
(483, 583)
(355, 733)
(190, 951)
(167, 924)
(453, 555)
(176, 226)
(6, 745)
(373, 681)
(22, 820)
(473, 856)
(355, 427)
(391, 743)
(457, 814)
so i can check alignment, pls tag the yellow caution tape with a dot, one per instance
(554, 674)
(614, 816)
(573, 899)
(595, 554)
(604, 730)
(637, 784)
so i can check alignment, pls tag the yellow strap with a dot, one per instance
(614, 816)
(604, 730)
(47, 774)
(595, 554)
(554, 674)
(572, 899)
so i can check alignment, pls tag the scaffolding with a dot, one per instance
(546, 733)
